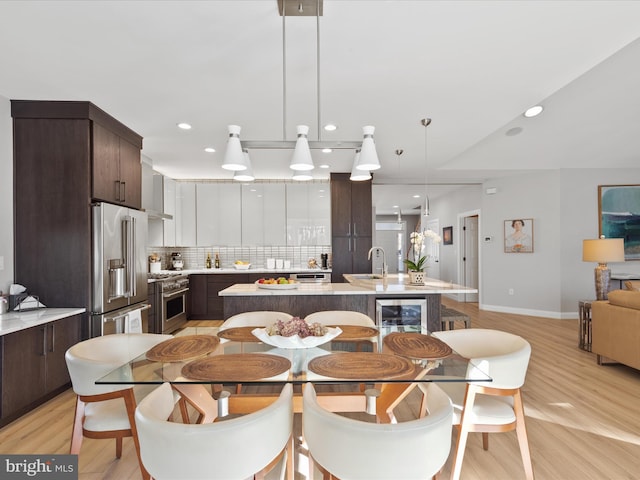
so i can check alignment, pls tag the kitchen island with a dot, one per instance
(360, 295)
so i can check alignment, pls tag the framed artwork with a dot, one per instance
(619, 216)
(447, 235)
(518, 235)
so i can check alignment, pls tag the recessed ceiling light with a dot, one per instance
(330, 127)
(326, 150)
(416, 196)
(324, 165)
(210, 150)
(533, 111)
(395, 206)
(184, 126)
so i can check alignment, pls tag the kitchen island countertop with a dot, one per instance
(395, 284)
(15, 321)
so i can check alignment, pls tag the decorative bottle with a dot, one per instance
(217, 261)
(207, 262)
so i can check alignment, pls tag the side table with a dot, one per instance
(584, 315)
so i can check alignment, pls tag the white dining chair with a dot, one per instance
(352, 449)
(238, 448)
(346, 317)
(106, 411)
(261, 318)
(494, 406)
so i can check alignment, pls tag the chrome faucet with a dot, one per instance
(384, 260)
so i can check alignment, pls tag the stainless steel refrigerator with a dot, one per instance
(119, 289)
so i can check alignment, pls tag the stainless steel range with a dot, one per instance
(171, 290)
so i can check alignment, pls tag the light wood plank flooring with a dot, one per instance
(583, 419)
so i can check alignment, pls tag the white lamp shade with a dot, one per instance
(603, 250)
(234, 158)
(301, 159)
(302, 175)
(245, 175)
(368, 156)
(358, 175)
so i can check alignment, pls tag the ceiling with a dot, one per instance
(473, 67)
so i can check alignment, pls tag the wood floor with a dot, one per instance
(583, 419)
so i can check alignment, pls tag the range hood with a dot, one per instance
(153, 214)
(153, 193)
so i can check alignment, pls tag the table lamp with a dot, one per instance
(603, 250)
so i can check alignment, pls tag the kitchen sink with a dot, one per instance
(367, 276)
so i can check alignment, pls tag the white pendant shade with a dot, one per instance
(358, 175)
(245, 175)
(301, 159)
(234, 158)
(368, 156)
(302, 175)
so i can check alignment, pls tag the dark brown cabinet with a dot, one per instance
(117, 172)
(60, 148)
(205, 304)
(33, 365)
(351, 226)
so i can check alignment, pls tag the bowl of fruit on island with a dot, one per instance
(241, 265)
(280, 283)
(296, 333)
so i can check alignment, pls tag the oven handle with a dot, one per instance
(173, 294)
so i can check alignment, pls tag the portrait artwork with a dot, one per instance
(518, 235)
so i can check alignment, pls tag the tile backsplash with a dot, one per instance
(194, 257)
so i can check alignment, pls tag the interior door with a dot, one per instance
(470, 257)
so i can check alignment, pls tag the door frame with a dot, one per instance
(461, 297)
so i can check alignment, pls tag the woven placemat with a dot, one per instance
(236, 367)
(239, 334)
(355, 332)
(363, 366)
(416, 345)
(183, 348)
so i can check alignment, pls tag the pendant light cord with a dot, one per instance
(318, 65)
(284, 73)
(425, 123)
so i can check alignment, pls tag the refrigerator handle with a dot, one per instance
(129, 254)
(133, 261)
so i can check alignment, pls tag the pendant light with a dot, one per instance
(368, 156)
(234, 159)
(245, 175)
(301, 159)
(425, 123)
(358, 175)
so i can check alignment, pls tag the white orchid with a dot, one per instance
(417, 245)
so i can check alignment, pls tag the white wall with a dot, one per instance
(446, 210)
(564, 206)
(6, 194)
(534, 277)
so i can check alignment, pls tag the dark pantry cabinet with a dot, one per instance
(351, 226)
(64, 153)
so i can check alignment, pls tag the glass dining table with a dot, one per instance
(361, 368)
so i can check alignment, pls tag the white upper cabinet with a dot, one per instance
(263, 214)
(254, 214)
(308, 214)
(218, 214)
(169, 208)
(185, 217)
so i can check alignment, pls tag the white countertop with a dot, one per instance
(269, 271)
(14, 321)
(397, 284)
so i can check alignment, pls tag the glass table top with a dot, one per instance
(209, 355)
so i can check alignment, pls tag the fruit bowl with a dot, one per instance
(277, 286)
(242, 266)
(295, 341)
